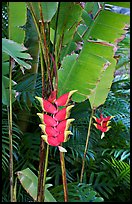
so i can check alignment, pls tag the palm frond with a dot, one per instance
(16, 134)
(121, 171)
(101, 183)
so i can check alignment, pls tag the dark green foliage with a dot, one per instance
(77, 193)
(5, 140)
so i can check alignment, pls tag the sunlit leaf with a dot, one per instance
(15, 50)
(29, 182)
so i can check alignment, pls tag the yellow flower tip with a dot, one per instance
(42, 128)
(67, 133)
(108, 123)
(70, 107)
(72, 92)
(44, 137)
(71, 119)
(108, 128)
(95, 124)
(94, 117)
(40, 116)
(38, 98)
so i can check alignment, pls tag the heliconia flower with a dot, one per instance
(47, 106)
(102, 124)
(55, 122)
(56, 140)
(52, 96)
(47, 120)
(63, 113)
(64, 99)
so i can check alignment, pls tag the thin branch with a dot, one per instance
(10, 129)
(86, 146)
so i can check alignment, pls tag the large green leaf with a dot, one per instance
(15, 50)
(5, 81)
(91, 73)
(17, 18)
(69, 16)
(48, 9)
(29, 182)
(83, 73)
(121, 4)
(108, 26)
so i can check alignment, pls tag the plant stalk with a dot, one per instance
(45, 168)
(10, 129)
(40, 193)
(63, 169)
(86, 146)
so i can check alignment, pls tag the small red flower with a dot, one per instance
(102, 123)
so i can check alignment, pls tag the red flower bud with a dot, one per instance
(47, 120)
(64, 99)
(47, 106)
(56, 140)
(63, 114)
(64, 125)
(52, 97)
(48, 130)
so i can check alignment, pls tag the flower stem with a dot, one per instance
(86, 146)
(45, 168)
(63, 169)
(10, 129)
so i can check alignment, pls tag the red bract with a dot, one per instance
(47, 120)
(63, 114)
(56, 140)
(52, 97)
(102, 119)
(55, 126)
(64, 99)
(64, 125)
(49, 107)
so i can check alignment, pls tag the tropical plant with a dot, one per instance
(67, 46)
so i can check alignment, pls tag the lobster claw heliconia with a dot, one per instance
(55, 122)
(102, 123)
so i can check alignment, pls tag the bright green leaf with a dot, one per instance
(29, 182)
(17, 18)
(15, 51)
(120, 4)
(48, 9)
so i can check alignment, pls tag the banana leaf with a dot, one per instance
(29, 182)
